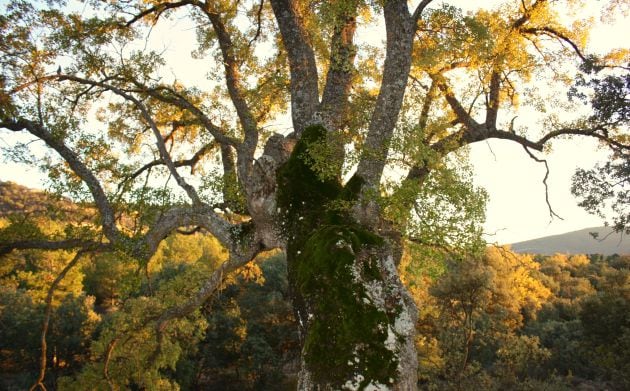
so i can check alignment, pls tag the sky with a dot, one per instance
(516, 210)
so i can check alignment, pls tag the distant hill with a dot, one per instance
(577, 242)
(18, 199)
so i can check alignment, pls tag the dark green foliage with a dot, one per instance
(605, 319)
(68, 338)
(606, 187)
(250, 338)
(608, 95)
(564, 341)
(587, 331)
(243, 232)
(111, 278)
(20, 319)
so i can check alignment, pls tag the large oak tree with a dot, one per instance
(339, 191)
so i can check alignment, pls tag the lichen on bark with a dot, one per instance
(347, 307)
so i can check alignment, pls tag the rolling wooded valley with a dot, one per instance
(501, 320)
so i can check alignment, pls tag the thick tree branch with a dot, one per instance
(234, 85)
(303, 68)
(159, 140)
(233, 82)
(78, 167)
(400, 32)
(199, 215)
(473, 131)
(211, 285)
(157, 9)
(339, 77)
(527, 14)
(492, 99)
(599, 132)
(551, 32)
(417, 13)
(181, 216)
(463, 115)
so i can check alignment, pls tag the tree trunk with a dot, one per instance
(356, 319)
(358, 332)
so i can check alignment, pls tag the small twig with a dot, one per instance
(491, 150)
(259, 24)
(552, 213)
(108, 356)
(495, 233)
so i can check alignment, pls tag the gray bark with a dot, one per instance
(400, 28)
(57, 144)
(334, 105)
(391, 290)
(304, 79)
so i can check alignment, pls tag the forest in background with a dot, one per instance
(494, 321)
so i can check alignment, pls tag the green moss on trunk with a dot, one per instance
(347, 332)
(331, 260)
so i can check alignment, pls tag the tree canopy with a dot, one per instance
(374, 157)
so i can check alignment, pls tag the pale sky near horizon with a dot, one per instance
(517, 209)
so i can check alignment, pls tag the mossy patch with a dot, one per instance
(303, 195)
(331, 262)
(347, 332)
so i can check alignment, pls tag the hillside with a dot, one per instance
(18, 199)
(577, 242)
